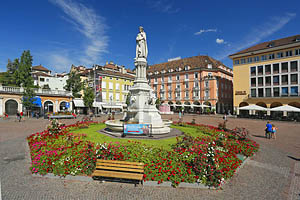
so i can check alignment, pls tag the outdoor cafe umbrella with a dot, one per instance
(201, 106)
(286, 108)
(253, 107)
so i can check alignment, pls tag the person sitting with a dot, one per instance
(268, 130)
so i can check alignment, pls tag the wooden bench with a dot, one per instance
(132, 171)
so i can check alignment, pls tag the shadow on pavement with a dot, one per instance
(297, 159)
(260, 136)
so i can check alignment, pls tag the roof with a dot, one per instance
(41, 74)
(271, 44)
(111, 73)
(40, 68)
(192, 62)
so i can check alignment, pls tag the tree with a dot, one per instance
(74, 84)
(88, 98)
(27, 99)
(22, 74)
(157, 102)
(128, 100)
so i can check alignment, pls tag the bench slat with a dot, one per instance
(120, 162)
(122, 175)
(119, 165)
(121, 169)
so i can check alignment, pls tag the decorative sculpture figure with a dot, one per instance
(141, 44)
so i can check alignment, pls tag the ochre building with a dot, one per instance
(267, 74)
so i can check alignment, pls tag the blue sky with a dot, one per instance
(85, 32)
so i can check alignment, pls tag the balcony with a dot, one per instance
(38, 91)
(196, 88)
(206, 98)
(177, 98)
(196, 97)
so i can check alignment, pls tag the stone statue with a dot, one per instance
(141, 44)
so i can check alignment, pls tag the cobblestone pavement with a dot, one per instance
(273, 173)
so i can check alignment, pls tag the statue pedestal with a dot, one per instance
(143, 109)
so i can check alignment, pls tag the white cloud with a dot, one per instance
(164, 6)
(92, 26)
(257, 34)
(219, 41)
(205, 31)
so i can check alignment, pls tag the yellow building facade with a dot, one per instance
(268, 74)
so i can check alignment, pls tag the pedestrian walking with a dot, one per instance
(225, 117)
(268, 130)
(274, 130)
(18, 116)
(180, 116)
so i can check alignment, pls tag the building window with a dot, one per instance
(263, 57)
(236, 62)
(243, 61)
(186, 94)
(260, 81)
(268, 69)
(260, 70)
(253, 92)
(162, 79)
(271, 56)
(275, 68)
(284, 79)
(284, 91)
(260, 92)
(103, 84)
(294, 78)
(279, 55)
(284, 67)
(256, 58)
(170, 95)
(178, 86)
(297, 51)
(206, 94)
(294, 91)
(177, 77)
(268, 92)
(288, 53)
(268, 80)
(186, 85)
(294, 66)
(196, 75)
(253, 82)
(170, 78)
(169, 87)
(117, 86)
(196, 84)
(249, 60)
(42, 79)
(275, 80)
(110, 85)
(186, 76)
(253, 71)
(276, 92)
(155, 80)
(206, 84)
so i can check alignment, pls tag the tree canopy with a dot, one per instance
(88, 97)
(74, 84)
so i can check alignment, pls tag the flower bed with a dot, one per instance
(209, 159)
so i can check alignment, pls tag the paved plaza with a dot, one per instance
(273, 173)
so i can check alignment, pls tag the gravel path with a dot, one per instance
(273, 173)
